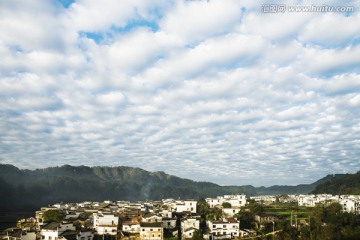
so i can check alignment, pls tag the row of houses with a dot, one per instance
(235, 202)
(350, 203)
(150, 220)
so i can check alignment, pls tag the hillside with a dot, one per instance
(298, 189)
(31, 189)
(340, 184)
(26, 189)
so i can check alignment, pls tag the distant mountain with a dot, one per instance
(298, 189)
(31, 189)
(340, 184)
(26, 189)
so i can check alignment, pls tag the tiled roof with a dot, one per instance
(69, 234)
(154, 224)
(51, 226)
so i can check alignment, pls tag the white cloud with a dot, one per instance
(193, 21)
(326, 23)
(215, 86)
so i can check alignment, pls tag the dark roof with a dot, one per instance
(51, 226)
(16, 233)
(69, 234)
(130, 223)
(232, 220)
(153, 224)
(147, 215)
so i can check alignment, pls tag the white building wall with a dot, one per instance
(190, 205)
(49, 234)
(28, 236)
(230, 212)
(190, 223)
(224, 228)
(105, 223)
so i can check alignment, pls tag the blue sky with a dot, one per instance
(208, 90)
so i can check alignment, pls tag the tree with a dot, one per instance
(54, 216)
(226, 205)
(197, 235)
(255, 208)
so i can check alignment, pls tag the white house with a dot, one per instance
(230, 212)
(105, 223)
(235, 200)
(188, 227)
(131, 227)
(151, 231)
(229, 227)
(151, 217)
(51, 231)
(191, 205)
(166, 213)
(169, 223)
(350, 206)
(180, 206)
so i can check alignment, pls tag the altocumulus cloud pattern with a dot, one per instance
(211, 90)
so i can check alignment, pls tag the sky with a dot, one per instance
(227, 91)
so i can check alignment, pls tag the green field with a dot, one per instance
(285, 212)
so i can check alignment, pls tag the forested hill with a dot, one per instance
(31, 189)
(27, 189)
(340, 184)
(298, 189)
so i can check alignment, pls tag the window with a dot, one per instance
(224, 226)
(153, 235)
(50, 237)
(189, 234)
(214, 226)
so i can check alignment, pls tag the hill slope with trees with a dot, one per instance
(30, 189)
(340, 184)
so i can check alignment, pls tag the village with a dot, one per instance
(158, 220)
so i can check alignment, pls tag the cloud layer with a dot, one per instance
(208, 90)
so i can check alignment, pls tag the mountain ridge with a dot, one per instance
(31, 189)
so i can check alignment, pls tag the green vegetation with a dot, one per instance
(325, 221)
(226, 205)
(29, 190)
(340, 184)
(54, 216)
